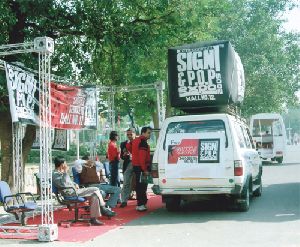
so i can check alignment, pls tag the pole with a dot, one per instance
(77, 144)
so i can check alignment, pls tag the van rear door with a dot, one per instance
(197, 155)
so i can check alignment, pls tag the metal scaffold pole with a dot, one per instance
(159, 86)
(47, 226)
(44, 46)
(18, 178)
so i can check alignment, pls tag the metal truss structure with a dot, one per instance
(158, 86)
(44, 46)
(18, 178)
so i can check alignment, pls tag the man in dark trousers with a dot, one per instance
(126, 150)
(141, 166)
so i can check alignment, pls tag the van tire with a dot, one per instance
(279, 160)
(244, 206)
(258, 191)
(173, 203)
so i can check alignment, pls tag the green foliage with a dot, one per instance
(124, 42)
(292, 120)
(270, 56)
(70, 155)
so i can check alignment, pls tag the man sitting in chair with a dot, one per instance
(91, 174)
(61, 180)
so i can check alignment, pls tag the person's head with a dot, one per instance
(146, 132)
(130, 134)
(85, 157)
(59, 161)
(90, 163)
(113, 136)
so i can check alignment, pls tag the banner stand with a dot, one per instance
(44, 46)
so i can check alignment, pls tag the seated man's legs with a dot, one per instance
(95, 199)
(114, 192)
(95, 193)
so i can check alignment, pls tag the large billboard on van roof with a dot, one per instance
(205, 74)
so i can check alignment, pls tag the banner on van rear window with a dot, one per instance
(193, 148)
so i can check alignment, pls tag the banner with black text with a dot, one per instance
(23, 90)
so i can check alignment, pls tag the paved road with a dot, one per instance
(273, 220)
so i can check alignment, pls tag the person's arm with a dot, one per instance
(129, 147)
(123, 150)
(143, 149)
(78, 166)
(60, 179)
(99, 166)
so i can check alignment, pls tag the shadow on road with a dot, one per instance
(270, 163)
(279, 203)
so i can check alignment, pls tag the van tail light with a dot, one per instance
(238, 168)
(154, 170)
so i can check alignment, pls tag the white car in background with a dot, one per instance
(269, 135)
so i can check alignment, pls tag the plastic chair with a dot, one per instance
(76, 176)
(70, 201)
(16, 203)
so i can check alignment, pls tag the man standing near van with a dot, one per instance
(141, 165)
(126, 150)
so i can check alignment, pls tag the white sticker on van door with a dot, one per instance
(209, 150)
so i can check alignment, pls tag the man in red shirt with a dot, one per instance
(113, 154)
(141, 166)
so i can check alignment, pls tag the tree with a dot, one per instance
(101, 39)
(124, 42)
(270, 56)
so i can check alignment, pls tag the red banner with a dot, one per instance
(73, 107)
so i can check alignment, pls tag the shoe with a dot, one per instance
(141, 208)
(123, 205)
(96, 222)
(107, 212)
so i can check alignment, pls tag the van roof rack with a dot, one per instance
(229, 109)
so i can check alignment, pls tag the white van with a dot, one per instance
(207, 154)
(269, 135)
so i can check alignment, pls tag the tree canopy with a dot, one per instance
(125, 43)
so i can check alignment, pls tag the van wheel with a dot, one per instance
(258, 191)
(245, 196)
(279, 160)
(173, 203)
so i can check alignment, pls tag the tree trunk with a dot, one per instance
(6, 147)
(155, 122)
(16, 35)
(168, 108)
(27, 141)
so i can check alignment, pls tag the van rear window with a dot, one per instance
(197, 127)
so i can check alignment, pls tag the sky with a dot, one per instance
(293, 18)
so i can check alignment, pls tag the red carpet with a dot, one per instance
(81, 232)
